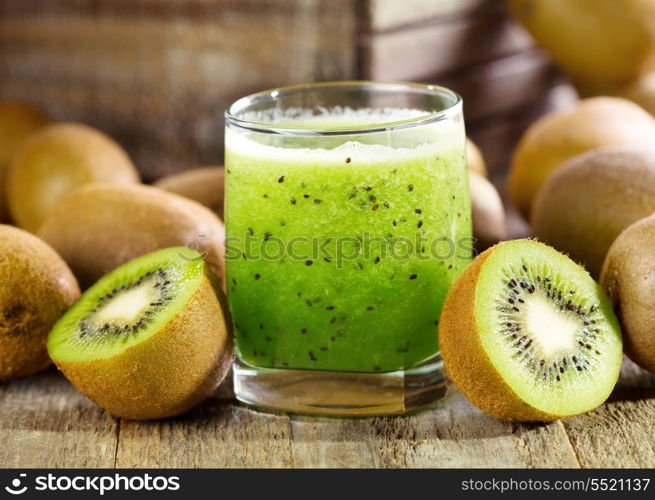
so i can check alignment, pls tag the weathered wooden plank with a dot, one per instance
(454, 434)
(219, 433)
(333, 442)
(424, 50)
(498, 135)
(45, 422)
(387, 14)
(158, 74)
(502, 86)
(619, 433)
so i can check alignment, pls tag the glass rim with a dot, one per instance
(449, 111)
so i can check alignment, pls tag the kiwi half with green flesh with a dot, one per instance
(205, 185)
(149, 340)
(36, 287)
(526, 334)
(628, 277)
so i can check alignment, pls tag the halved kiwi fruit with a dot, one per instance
(149, 340)
(526, 334)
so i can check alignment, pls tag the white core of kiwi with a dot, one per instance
(128, 306)
(553, 330)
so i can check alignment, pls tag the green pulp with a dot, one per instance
(377, 241)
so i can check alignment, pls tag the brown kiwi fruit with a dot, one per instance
(586, 204)
(98, 227)
(628, 277)
(55, 161)
(149, 340)
(18, 121)
(559, 136)
(575, 34)
(36, 287)
(205, 185)
(475, 159)
(489, 224)
(527, 334)
(642, 92)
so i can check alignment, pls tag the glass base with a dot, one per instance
(341, 394)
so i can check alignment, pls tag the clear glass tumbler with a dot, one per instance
(348, 218)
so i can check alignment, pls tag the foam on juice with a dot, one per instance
(442, 136)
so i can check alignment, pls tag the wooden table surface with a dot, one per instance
(45, 422)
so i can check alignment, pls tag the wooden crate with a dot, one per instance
(158, 74)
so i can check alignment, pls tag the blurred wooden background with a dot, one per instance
(158, 74)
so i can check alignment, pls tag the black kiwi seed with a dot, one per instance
(89, 329)
(510, 307)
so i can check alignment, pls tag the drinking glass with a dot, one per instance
(348, 218)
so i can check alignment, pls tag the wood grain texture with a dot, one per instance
(158, 74)
(216, 434)
(453, 434)
(388, 14)
(619, 433)
(45, 422)
(424, 50)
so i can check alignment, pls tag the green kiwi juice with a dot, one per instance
(341, 248)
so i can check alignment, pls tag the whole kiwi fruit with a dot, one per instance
(150, 340)
(98, 227)
(489, 223)
(642, 92)
(589, 200)
(18, 121)
(593, 41)
(628, 277)
(36, 287)
(55, 161)
(527, 334)
(206, 185)
(475, 159)
(559, 136)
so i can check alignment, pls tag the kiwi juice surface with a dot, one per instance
(341, 249)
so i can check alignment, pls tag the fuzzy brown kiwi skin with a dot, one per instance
(169, 373)
(489, 222)
(206, 185)
(36, 287)
(628, 277)
(576, 210)
(56, 160)
(99, 227)
(18, 120)
(465, 360)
